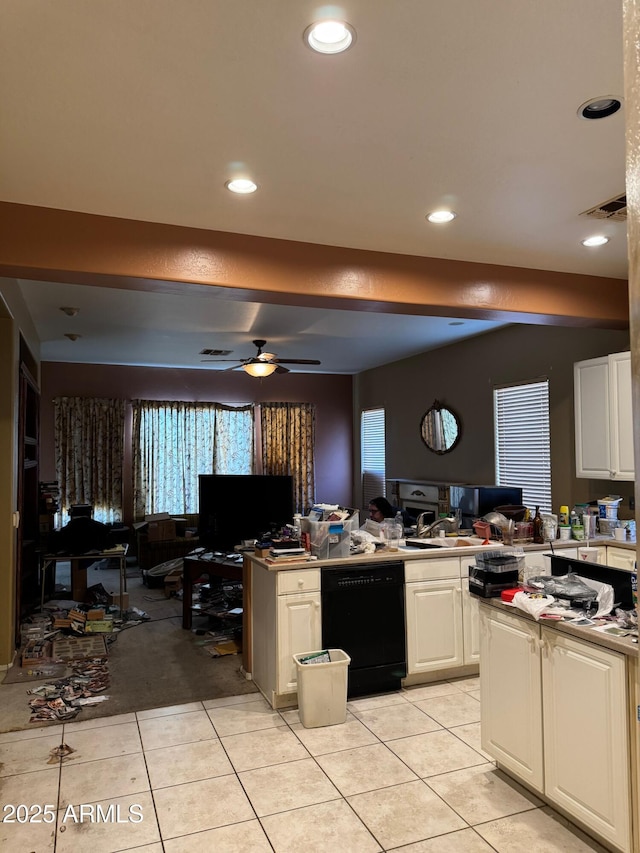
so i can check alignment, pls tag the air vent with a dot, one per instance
(218, 352)
(615, 209)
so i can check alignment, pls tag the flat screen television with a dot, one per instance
(234, 507)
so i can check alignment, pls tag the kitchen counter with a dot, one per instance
(624, 645)
(383, 555)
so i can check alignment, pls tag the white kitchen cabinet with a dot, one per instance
(586, 739)
(620, 558)
(603, 418)
(470, 624)
(470, 615)
(299, 629)
(511, 694)
(554, 715)
(434, 625)
(433, 615)
(286, 609)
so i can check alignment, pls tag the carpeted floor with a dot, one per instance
(153, 664)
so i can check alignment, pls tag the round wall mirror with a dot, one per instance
(440, 428)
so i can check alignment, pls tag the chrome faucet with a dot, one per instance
(450, 524)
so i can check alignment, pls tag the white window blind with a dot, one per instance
(523, 447)
(372, 454)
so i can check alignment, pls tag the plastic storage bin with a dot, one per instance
(331, 540)
(322, 689)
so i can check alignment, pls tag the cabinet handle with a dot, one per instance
(300, 582)
(316, 604)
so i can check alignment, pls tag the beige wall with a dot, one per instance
(463, 376)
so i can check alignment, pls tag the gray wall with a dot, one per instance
(463, 376)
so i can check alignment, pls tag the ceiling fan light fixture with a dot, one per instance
(329, 36)
(437, 217)
(259, 368)
(241, 186)
(596, 240)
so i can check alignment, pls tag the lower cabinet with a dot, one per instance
(620, 558)
(443, 629)
(511, 694)
(299, 629)
(434, 625)
(554, 715)
(286, 620)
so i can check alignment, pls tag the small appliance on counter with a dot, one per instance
(493, 572)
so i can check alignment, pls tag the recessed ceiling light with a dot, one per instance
(242, 186)
(439, 216)
(599, 107)
(329, 36)
(596, 240)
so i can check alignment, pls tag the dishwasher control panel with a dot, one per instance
(364, 580)
(388, 574)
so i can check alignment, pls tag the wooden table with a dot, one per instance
(79, 563)
(194, 568)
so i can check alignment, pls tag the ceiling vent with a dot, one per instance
(615, 209)
(217, 352)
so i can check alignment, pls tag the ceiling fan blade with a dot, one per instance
(281, 369)
(220, 360)
(295, 361)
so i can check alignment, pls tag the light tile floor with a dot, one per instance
(405, 771)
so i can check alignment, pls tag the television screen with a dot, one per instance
(234, 507)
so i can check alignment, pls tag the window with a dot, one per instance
(523, 453)
(372, 454)
(174, 442)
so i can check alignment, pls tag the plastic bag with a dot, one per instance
(533, 606)
(569, 586)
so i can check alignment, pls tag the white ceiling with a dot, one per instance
(144, 108)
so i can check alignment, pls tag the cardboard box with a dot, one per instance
(160, 526)
(115, 599)
(172, 583)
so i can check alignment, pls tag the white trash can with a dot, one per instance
(322, 689)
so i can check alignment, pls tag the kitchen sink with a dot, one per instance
(452, 542)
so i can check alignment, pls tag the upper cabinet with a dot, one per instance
(604, 418)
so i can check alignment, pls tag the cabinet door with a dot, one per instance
(470, 624)
(591, 400)
(511, 694)
(470, 614)
(299, 630)
(586, 757)
(622, 462)
(620, 558)
(434, 625)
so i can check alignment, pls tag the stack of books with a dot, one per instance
(287, 555)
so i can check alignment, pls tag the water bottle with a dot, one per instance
(400, 520)
(297, 526)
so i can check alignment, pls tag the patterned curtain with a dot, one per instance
(174, 442)
(89, 448)
(288, 440)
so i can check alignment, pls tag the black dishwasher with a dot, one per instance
(363, 614)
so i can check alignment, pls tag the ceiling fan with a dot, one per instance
(262, 363)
